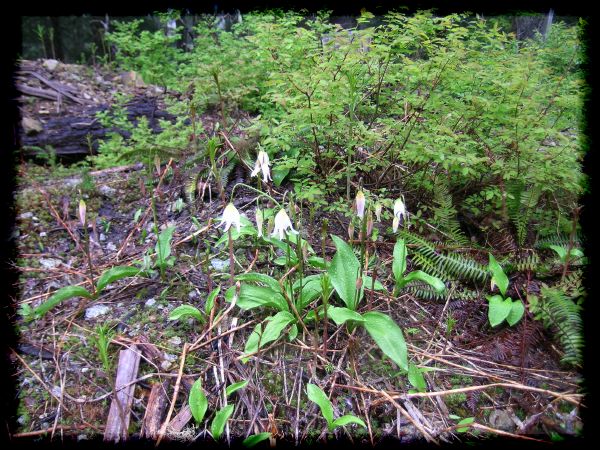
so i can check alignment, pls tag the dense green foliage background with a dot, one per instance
(452, 112)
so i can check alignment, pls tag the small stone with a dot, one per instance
(501, 420)
(102, 237)
(49, 263)
(35, 219)
(107, 191)
(31, 126)
(82, 437)
(22, 420)
(87, 96)
(150, 303)
(84, 369)
(192, 295)
(219, 264)
(111, 247)
(27, 215)
(50, 64)
(96, 311)
(165, 366)
(175, 341)
(43, 234)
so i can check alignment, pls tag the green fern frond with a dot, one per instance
(426, 292)
(520, 205)
(445, 215)
(561, 240)
(563, 315)
(446, 266)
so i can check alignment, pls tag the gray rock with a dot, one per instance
(219, 264)
(50, 64)
(111, 247)
(150, 303)
(96, 311)
(176, 341)
(501, 420)
(102, 237)
(26, 215)
(49, 263)
(31, 126)
(107, 191)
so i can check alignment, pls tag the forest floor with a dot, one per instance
(508, 380)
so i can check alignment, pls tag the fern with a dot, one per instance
(560, 312)
(446, 266)
(445, 215)
(426, 292)
(558, 239)
(520, 204)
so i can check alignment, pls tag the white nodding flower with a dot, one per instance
(378, 208)
(400, 213)
(282, 223)
(262, 164)
(82, 210)
(360, 204)
(231, 216)
(259, 221)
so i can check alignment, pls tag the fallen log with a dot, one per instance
(117, 423)
(37, 92)
(77, 135)
(155, 410)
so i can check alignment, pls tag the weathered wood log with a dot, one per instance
(117, 423)
(77, 135)
(37, 92)
(180, 420)
(155, 410)
(60, 88)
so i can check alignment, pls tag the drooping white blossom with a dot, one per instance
(282, 224)
(400, 214)
(360, 204)
(231, 216)
(262, 164)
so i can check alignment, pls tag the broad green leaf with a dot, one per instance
(499, 309)
(317, 262)
(279, 175)
(388, 336)
(184, 311)
(560, 251)
(257, 296)
(220, 420)
(252, 342)
(399, 264)
(254, 439)
(271, 332)
(234, 387)
(311, 289)
(467, 421)
(197, 401)
(293, 332)
(247, 230)
(163, 245)
(345, 420)
(316, 394)
(368, 282)
(343, 271)
(116, 273)
(434, 282)
(210, 300)
(341, 315)
(59, 296)
(499, 278)
(516, 312)
(260, 278)
(415, 377)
